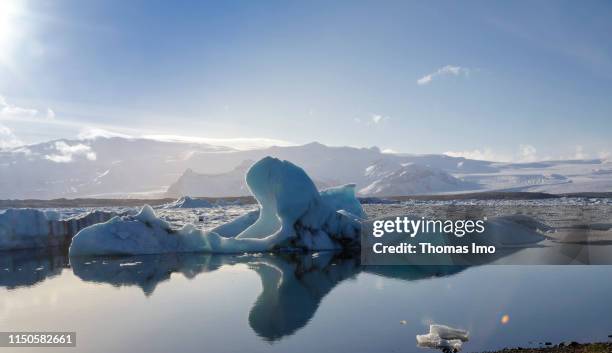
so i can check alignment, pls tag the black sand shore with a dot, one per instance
(570, 347)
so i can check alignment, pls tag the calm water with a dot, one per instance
(201, 303)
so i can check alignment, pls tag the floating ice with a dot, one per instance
(25, 228)
(188, 202)
(293, 216)
(443, 337)
(233, 228)
(343, 198)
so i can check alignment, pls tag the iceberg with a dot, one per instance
(443, 337)
(188, 202)
(293, 216)
(27, 228)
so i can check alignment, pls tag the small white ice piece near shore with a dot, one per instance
(444, 338)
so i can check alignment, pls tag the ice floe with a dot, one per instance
(24, 228)
(443, 337)
(188, 202)
(192, 202)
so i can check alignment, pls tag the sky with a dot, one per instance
(496, 80)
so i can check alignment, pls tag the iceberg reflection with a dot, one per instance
(20, 268)
(293, 285)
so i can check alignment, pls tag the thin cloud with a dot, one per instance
(237, 143)
(373, 120)
(526, 153)
(448, 70)
(485, 154)
(8, 138)
(9, 111)
(378, 119)
(66, 153)
(94, 133)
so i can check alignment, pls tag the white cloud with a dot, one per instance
(8, 138)
(373, 119)
(528, 153)
(66, 153)
(485, 154)
(93, 133)
(377, 118)
(237, 143)
(580, 154)
(11, 111)
(447, 70)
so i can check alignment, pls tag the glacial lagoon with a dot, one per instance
(323, 302)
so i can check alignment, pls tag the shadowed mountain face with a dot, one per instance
(231, 183)
(212, 185)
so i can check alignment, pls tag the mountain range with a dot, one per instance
(118, 167)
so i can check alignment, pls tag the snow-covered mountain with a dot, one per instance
(126, 167)
(101, 167)
(555, 177)
(413, 179)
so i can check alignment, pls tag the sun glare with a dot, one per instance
(10, 10)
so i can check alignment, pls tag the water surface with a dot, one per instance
(323, 302)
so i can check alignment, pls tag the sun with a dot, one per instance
(10, 11)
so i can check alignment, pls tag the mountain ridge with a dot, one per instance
(119, 167)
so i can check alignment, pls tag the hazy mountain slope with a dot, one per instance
(122, 167)
(232, 183)
(555, 177)
(335, 165)
(195, 184)
(98, 167)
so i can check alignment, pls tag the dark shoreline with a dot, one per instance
(89, 202)
(93, 202)
(573, 347)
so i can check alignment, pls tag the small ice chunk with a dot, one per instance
(188, 202)
(449, 333)
(444, 338)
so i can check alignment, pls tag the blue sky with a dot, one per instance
(518, 80)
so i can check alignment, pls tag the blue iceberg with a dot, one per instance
(293, 216)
